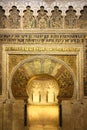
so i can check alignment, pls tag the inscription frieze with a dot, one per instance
(42, 38)
(39, 49)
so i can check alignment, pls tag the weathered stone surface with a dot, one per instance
(1, 116)
(20, 20)
(7, 116)
(18, 115)
(67, 122)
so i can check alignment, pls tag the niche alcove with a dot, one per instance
(42, 93)
(40, 80)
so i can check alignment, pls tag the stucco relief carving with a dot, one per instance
(70, 18)
(14, 18)
(40, 66)
(20, 79)
(2, 18)
(28, 18)
(42, 18)
(42, 89)
(83, 18)
(66, 83)
(56, 19)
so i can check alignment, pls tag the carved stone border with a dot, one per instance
(43, 50)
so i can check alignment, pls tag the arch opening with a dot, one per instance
(42, 91)
(42, 65)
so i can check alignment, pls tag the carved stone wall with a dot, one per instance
(43, 20)
(28, 18)
(70, 18)
(48, 42)
(14, 18)
(43, 27)
(42, 66)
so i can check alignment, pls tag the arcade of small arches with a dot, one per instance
(42, 20)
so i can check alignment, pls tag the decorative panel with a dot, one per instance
(70, 18)
(3, 18)
(19, 83)
(28, 18)
(14, 18)
(42, 20)
(83, 18)
(14, 59)
(56, 19)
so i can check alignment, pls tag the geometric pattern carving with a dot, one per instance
(65, 82)
(42, 20)
(28, 18)
(19, 83)
(70, 18)
(56, 20)
(83, 18)
(14, 18)
(2, 18)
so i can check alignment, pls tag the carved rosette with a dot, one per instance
(70, 18)
(82, 22)
(42, 20)
(28, 18)
(3, 18)
(14, 18)
(56, 19)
